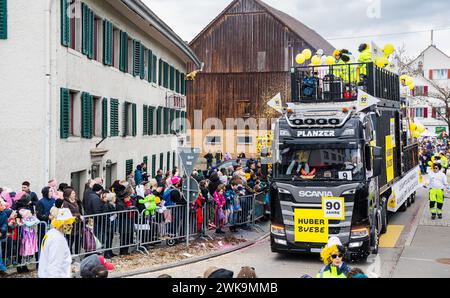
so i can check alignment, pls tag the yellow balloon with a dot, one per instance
(382, 62)
(307, 54)
(416, 134)
(412, 126)
(409, 81)
(388, 49)
(330, 60)
(420, 128)
(403, 77)
(411, 86)
(315, 60)
(300, 59)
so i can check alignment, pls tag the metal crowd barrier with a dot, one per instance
(122, 230)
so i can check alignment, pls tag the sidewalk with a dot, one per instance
(428, 256)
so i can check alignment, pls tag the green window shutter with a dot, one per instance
(123, 52)
(105, 118)
(65, 22)
(177, 81)
(177, 121)
(153, 165)
(136, 57)
(134, 120)
(125, 119)
(166, 121)
(160, 73)
(86, 115)
(91, 35)
(158, 120)
(183, 84)
(151, 127)
(142, 62)
(4, 19)
(64, 113)
(107, 42)
(166, 75)
(154, 69)
(85, 29)
(145, 120)
(172, 78)
(150, 66)
(128, 167)
(114, 117)
(183, 121)
(161, 161)
(168, 162)
(174, 160)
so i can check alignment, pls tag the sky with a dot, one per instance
(351, 19)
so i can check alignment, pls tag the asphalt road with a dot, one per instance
(273, 265)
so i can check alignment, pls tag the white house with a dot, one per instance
(88, 89)
(434, 66)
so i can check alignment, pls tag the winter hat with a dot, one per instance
(64, 217)
(108, 266)
(59, 203)
(175, 180)
(97, 188)
(209, 271)
(221, 273)
(247, 272)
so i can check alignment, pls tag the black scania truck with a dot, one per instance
(343, 157)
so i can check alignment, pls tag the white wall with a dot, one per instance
(22, 87)
(23, 83)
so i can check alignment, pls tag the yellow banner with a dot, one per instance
(310, 226)
(389, 159)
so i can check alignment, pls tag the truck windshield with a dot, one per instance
(320, 164)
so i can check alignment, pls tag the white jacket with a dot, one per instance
(55, 260)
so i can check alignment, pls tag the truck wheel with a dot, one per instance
(413, 197)
(403, 207)
(384, 216)
(376, 241)
(408, 201)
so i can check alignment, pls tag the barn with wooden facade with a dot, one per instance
(248, 51)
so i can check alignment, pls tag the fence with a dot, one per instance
(129, 229)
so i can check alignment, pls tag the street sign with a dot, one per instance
(194, 190)
(189, 157)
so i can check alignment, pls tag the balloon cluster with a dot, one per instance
(383, 61)
(303, 56)
(416, 129)
(407, 81)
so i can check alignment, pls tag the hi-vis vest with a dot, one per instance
(330, 272)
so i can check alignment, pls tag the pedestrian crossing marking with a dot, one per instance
(389, 239)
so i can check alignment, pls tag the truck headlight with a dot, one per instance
(359, 232)
(349, 132)
(277, 230)
(280, 190)
(285, 133)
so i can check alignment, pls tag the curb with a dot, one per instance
(190, 261)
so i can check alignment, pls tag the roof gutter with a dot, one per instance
(142, 10)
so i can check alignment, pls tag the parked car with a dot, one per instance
(232, 162)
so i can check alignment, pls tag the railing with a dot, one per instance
(410, 157)
(341, 82)
(122, 230)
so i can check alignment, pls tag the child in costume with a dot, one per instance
(28, 241)
(332, 256)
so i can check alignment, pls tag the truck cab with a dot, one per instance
(331, 149)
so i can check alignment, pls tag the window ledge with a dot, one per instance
(74, 52)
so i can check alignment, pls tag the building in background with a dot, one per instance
(89, 89)
(248, 51)
(433, 66)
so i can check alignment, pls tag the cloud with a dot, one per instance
(338, 18)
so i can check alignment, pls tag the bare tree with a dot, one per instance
(439, 92)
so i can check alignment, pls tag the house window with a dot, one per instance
(97, 117)
(116, 47)
(418, 112)
(75, 113)
(213, 140)
(244, 140)
(98, 39)
(243, 108)
(440, 74)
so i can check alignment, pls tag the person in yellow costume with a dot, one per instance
(437, 182)
(364, 57)
(332, 256)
